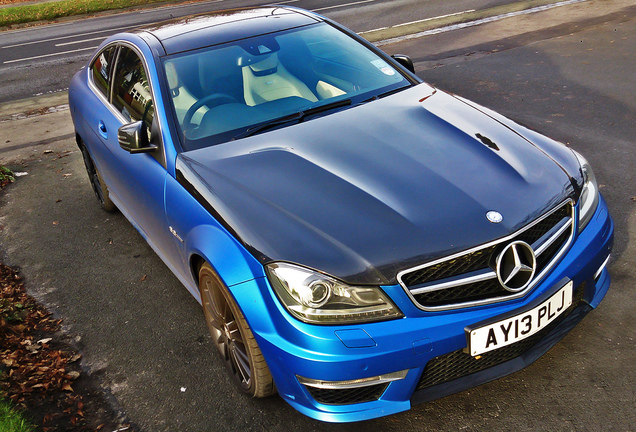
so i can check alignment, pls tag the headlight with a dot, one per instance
(315, 298)
(589, 195)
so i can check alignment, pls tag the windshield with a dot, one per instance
(220, 93)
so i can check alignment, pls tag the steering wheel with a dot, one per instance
(211, 101)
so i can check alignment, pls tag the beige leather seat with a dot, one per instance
(181, 97)
(268, 80)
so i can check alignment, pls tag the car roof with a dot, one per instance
(198, 31)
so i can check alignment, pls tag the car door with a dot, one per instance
(92, 109)
(137, 181)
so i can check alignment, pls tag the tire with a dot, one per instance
(99, 187)
(232, 337)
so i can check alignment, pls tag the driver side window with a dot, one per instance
(131, 91)
(101, 68)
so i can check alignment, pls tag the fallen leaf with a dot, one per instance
(143, 278)
(44, 341)
(33, 348)
(67, 387)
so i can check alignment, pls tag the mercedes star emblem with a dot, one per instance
(494, 216)
(516, 265)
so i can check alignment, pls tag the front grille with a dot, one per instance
(461, 265)
(459, 364)
(536, 230)
(463, 293)
(347, 396)
(543, 260)
(469, 278)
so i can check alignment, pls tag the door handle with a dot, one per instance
(102, 129)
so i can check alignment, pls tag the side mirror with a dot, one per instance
(133, 138)
(405, 61)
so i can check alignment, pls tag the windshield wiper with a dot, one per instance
(296, 117)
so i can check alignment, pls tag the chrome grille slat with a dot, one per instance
(476, 276)
(544, 243)
(466, 279)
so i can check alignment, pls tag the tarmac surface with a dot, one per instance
(144, 337)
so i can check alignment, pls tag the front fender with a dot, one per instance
(231, 261)
(199, 235)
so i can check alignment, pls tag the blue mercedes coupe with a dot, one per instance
(360, 241)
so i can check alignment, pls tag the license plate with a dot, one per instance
(513, 329)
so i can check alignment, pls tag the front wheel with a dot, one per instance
(233, 337)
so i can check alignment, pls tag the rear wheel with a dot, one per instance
(233, 337)
(99, 187)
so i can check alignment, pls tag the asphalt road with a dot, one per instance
(144, 336)
(29, 55)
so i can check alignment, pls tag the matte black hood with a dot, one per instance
(364, 193)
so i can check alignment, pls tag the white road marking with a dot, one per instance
(79, 41)
(72, 36)
(342, 5)
(429, 19)
(49, 55)
(418, 21)
(475, 22)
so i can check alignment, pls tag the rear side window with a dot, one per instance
(131, 91)
(100, 69)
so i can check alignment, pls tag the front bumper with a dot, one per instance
(297, 352)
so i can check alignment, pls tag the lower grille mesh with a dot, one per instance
(458, 364)
(348, 395)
